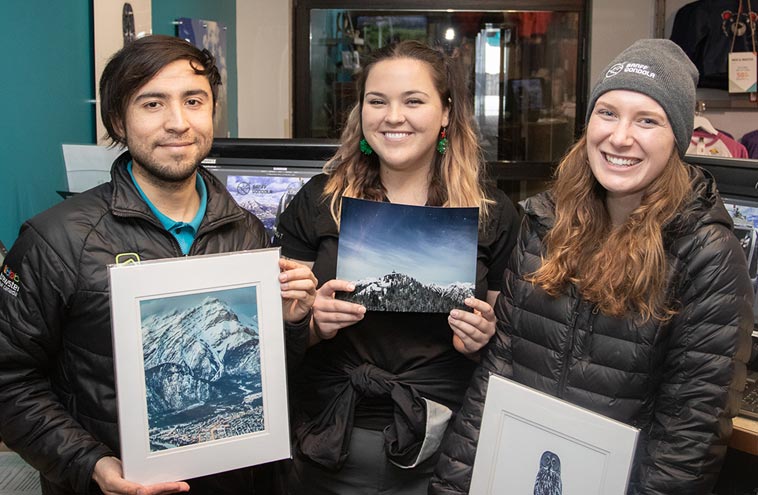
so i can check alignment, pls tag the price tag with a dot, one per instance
(743, 72)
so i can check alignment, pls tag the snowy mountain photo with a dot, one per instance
(202, 367)
(407, 258)
(399, 292)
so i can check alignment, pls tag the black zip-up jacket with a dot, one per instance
(679, 381)
(57, 396)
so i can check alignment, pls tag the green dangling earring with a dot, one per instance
(442, 143)
(365, 147)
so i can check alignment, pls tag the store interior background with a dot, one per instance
(49, 90)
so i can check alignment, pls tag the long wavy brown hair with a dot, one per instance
(457, 176)
(621, 268)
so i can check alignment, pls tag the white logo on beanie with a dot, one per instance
(614, 70)
(641, 69)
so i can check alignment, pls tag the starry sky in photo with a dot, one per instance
(431, 244)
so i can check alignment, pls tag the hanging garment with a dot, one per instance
(704, 29)
(750, 142)
(705, 143)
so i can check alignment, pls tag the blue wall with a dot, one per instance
(165, 12)
(47, 90)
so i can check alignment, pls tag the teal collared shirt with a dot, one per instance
(183, 232)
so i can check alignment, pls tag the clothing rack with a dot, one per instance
(740, 102)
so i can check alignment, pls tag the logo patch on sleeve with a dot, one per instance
(10, 281)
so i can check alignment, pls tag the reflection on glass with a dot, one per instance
(522, 65)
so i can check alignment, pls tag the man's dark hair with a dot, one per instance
(138, 62)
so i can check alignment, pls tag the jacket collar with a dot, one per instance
(126, 200)
(705, 206)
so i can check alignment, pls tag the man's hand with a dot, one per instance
(298, 285)
(110, 477)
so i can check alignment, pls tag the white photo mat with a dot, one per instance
(522, 429)
(135, 287)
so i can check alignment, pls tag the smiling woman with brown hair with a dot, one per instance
(627, 292)
(373, 397)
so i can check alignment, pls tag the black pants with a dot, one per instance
(367, 471)
(237, 482)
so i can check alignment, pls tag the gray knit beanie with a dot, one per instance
(659, 69)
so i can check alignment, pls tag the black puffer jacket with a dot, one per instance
(678, 382)
(57, 397)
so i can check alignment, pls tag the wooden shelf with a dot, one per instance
(745, 435)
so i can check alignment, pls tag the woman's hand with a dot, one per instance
(330, 315)
(298, 286)
(109, 476)
(472, 331)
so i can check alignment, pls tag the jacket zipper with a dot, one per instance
(128, 213)
(154, 223)
(567, 350)
(177, 248)
(590, 332)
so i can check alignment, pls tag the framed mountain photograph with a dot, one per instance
(407, 258)
(200, 370)
(531, 442)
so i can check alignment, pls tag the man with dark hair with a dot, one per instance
(132, 69)
(57, 393)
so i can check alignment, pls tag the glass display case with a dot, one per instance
(525, 59)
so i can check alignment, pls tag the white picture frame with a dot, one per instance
(528, 437)
(191, 401)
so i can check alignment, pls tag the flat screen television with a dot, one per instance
(737, 182)
(263, 175)
(744, 214)
(745, 217)
(735, 177)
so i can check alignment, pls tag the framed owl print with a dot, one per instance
(533, 443)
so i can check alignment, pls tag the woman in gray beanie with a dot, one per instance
(627, 292)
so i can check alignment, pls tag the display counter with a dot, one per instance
(745, 435)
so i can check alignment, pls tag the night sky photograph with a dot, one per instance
(434, 246)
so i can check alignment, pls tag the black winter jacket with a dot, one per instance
(57, 396)
(680, 382)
